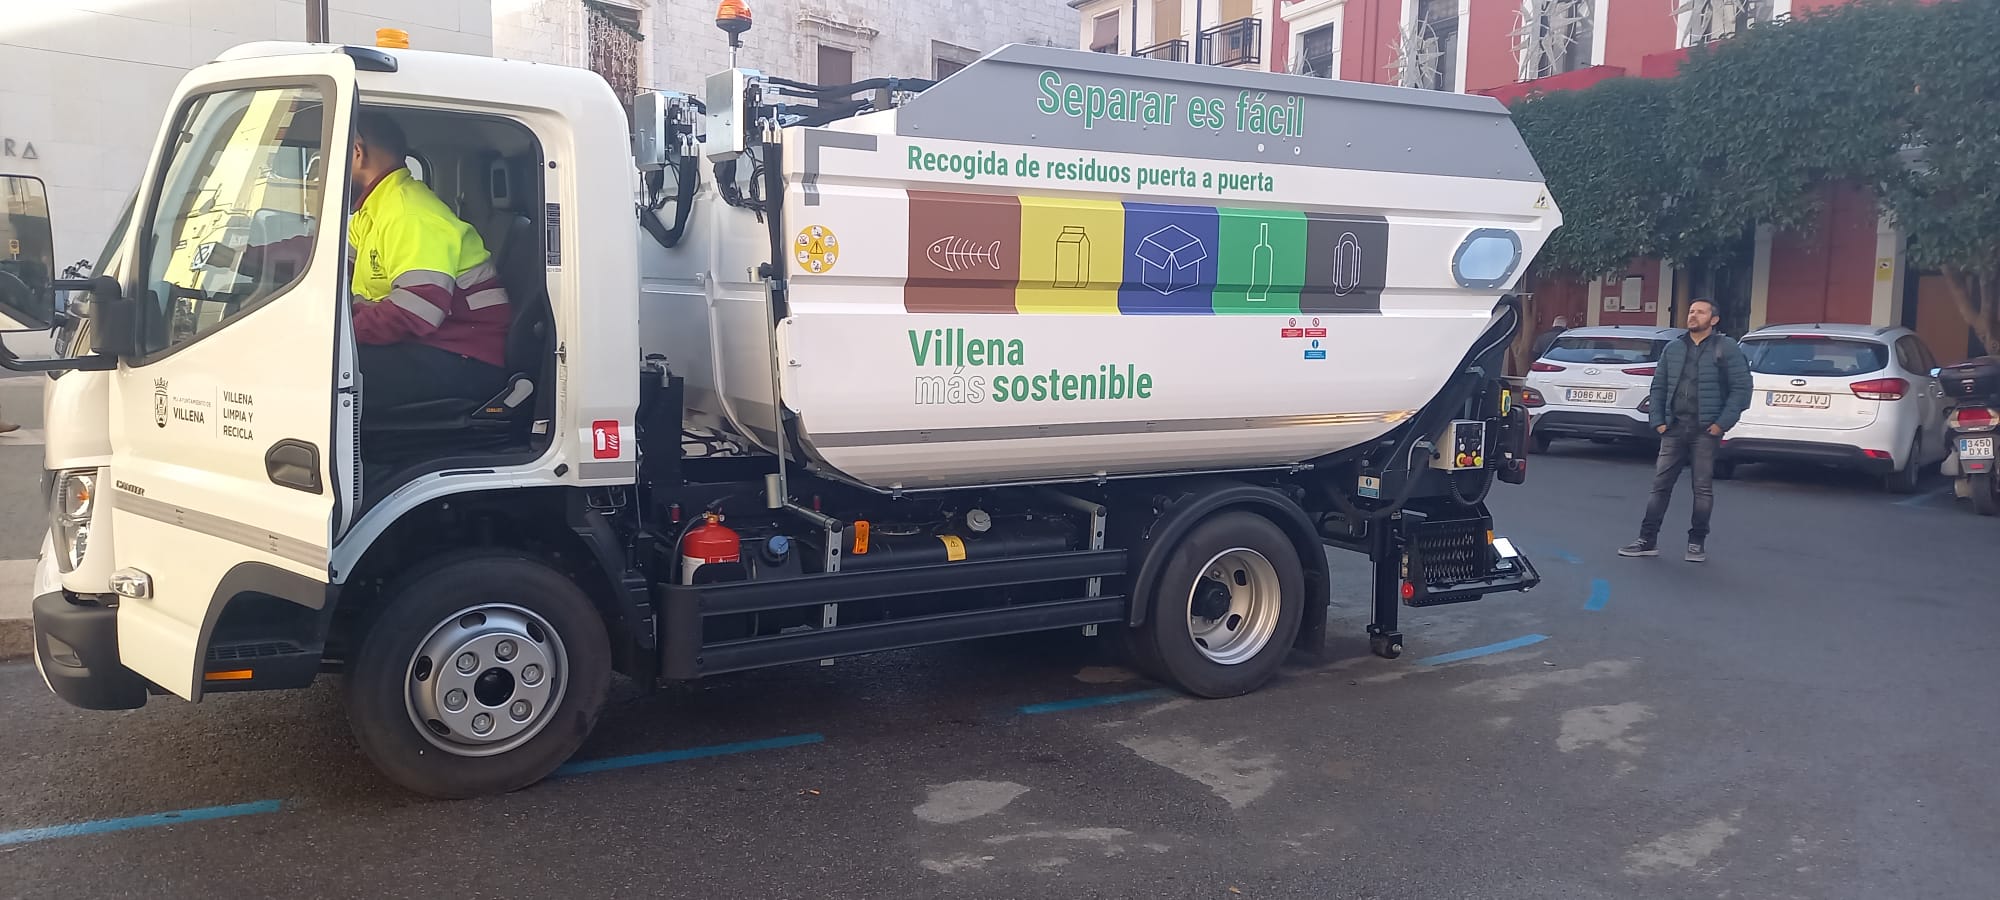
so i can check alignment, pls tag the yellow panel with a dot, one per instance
(1072, 256)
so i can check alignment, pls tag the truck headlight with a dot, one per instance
(74, 500)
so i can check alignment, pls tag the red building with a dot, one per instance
(1850, 269)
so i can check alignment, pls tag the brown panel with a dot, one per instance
(965, 253)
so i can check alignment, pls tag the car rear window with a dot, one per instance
(1822, 357)
(1607, 350)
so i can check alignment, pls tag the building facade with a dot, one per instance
(84, 84)
(674, 44)
(1849, 269)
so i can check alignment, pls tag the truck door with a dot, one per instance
(230, 429)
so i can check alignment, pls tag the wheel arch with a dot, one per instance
(553, 525)
(1156, 521)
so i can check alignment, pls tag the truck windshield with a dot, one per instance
(234, 221)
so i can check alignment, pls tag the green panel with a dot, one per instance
(1263, 262)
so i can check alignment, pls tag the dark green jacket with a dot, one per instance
(1724, 380)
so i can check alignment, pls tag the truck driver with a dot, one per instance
(430, 314)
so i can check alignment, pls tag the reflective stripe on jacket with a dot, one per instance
(421, 274)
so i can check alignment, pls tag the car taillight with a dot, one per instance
(1646, 405)
(1881, 389)
(1972, 418)
(1546, 367)
(1532, 398)
(1642, 370)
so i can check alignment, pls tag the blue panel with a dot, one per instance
(1171, 260)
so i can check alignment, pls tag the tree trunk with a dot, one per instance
(1978, 303)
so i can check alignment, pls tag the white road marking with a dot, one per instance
(963, 801)
(1683, 850)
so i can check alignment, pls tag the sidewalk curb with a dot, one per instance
(17, 639)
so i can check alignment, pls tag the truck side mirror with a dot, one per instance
(27, 256)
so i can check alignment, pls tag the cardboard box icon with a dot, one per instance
(1170, 259)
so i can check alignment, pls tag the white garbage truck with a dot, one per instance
(1063, 341)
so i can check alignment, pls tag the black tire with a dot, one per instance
(437, 597)
(1985, 500)
(1724, 471)
(1166, 646)
(1907, 479)
(1542, 442)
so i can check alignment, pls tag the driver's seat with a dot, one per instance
(517, 256)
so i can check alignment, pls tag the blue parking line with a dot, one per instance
(106, 826)
(1566, 556)
(1035, 709)
(1600, 594)
(1488, 650)
(667, 756)
(1922, 499)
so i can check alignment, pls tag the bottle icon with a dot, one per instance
(1072, 257)
(1260, 265)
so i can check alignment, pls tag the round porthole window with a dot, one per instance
(1486, 258)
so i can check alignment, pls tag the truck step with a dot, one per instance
(258, 665)
(684, 610)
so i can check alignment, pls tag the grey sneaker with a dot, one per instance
(1697, 553)
(1639, 548)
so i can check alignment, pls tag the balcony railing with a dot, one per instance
(1171, 51)
(1238, 43)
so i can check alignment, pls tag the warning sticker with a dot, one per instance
(954, 547)
(816, 249)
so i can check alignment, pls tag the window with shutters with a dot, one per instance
(614, 36)
(1104, 34)
(836, 66)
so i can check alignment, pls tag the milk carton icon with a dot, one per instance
(1072, 257)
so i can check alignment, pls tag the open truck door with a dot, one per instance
(232, 404)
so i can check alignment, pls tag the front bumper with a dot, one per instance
(1740, 450)
(76, 649)
(1572, 424)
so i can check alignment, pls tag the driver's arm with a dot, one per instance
(422, 286)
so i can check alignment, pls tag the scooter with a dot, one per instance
(1973, 387)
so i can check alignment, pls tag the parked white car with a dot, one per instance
(1594, 383)
(1852, 396)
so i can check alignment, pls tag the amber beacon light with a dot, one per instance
(733, 16)
(395, 38)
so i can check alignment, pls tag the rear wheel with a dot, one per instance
(1542, 442)
(1724, 471)
(1985, 494)
(1906, 479)
(1227, 609)
(481, 676)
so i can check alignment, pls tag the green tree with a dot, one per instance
(1895, 95)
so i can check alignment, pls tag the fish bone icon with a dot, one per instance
(952, 253)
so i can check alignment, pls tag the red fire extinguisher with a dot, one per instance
(710, 543)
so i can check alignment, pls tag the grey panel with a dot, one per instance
(1093, 429)
(815, 139)
(231, 530)
(1344, 124)
(595, 471)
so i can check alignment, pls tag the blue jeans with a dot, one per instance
(1681, 447)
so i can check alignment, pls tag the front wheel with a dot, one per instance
(1985, 494)
(481, 676)
(1228, 607)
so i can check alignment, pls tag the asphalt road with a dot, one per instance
(1809, 715)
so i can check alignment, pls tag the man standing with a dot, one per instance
(1700, 389)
